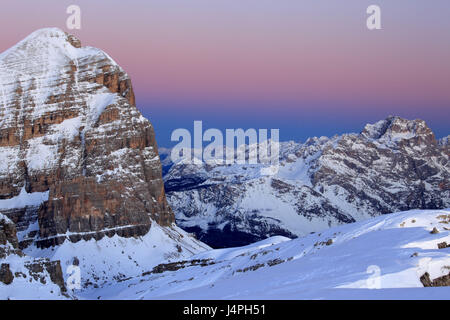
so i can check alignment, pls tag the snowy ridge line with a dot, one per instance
(68, 234)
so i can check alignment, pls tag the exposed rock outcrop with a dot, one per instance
(40, 270)
(443, 281)
(6, 275)
(8, 238)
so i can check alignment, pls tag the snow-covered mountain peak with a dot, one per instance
(51, 43)
(45, 36)
(69, 125)
(45, 52)
(394, 129)
(49, 66)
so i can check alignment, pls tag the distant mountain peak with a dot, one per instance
(394, 129)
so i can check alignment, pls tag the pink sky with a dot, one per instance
(192, 55)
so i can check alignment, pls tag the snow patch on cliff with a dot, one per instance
(24, 199)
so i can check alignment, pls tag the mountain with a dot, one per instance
(392, 165)
(70, 127)
(81, 188)
(397, 254)
(80, 176)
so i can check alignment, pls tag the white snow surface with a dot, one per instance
(380, 258)
(103, 262)
(116, 258)
(24, 199)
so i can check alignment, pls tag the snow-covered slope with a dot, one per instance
(381, 258)
(117, 258)
(392, 165)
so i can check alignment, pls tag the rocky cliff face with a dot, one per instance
(392, 165)
(70, 127)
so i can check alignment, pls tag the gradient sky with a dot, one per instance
(307, 67)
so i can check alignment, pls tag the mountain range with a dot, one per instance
(84, 187)
(392, 165)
